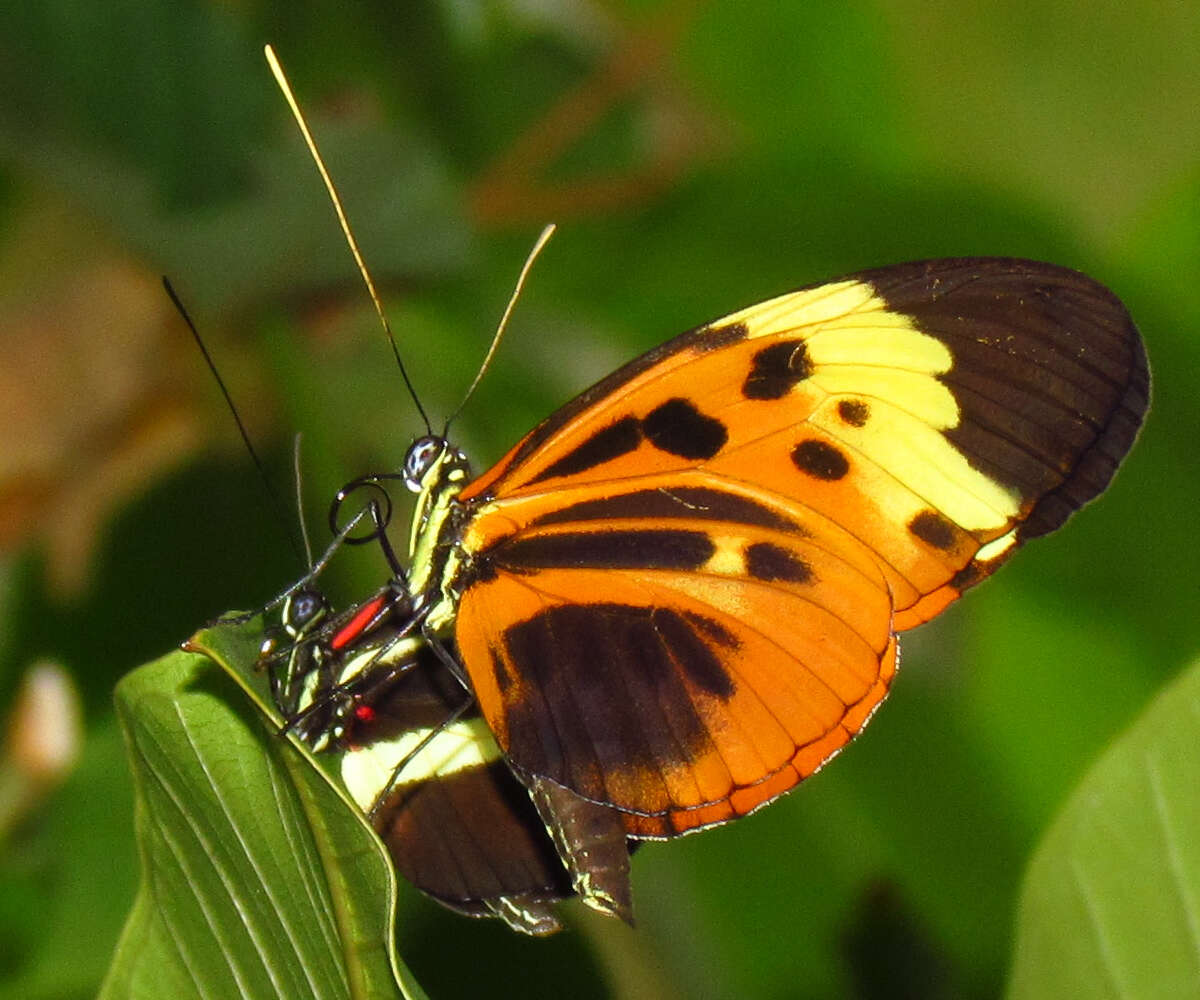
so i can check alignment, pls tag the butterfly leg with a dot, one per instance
(452, 717)
(449, 660)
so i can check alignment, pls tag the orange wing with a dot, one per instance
(680, 593)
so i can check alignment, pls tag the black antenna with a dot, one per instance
(284, 86)
(538, 245)
(276, 504)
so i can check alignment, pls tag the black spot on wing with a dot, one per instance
(649, 549)
(713, 630)
(678, 428)
(612, 442)
(768, 562)
(775, 370)
(690, 502)
(699, 340)
(820, 460)
(854, 412)
(473, 571)
(933, 529)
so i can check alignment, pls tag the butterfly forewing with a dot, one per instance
(679, 594)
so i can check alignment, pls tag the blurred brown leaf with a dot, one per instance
(90, 408)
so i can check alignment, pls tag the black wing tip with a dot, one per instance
(1107, 328)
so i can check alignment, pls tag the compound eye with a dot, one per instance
(303, 609)
(421, 457)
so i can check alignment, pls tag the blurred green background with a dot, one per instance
(697, 157)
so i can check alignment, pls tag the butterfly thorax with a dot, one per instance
(437, 472)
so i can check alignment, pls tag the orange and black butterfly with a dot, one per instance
(681, 594)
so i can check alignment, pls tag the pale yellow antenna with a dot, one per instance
(284, 86)
(541, 242)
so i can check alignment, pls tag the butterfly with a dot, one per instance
(681, 594)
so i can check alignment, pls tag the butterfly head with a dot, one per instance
(424, 455)
(433, 459)
(302, 611)
(290, 652)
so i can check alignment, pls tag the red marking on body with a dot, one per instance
(355, 627)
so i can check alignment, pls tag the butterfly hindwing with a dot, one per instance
(457, 823)
(679, 595)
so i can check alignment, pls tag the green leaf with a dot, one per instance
(258, 877)
(1111, 901)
